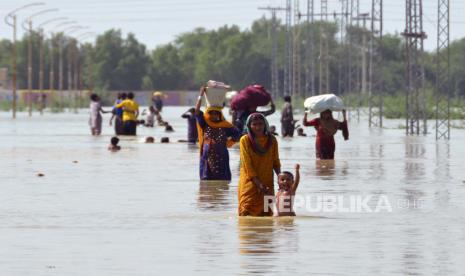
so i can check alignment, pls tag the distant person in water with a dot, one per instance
(114, 144)
(157, 101)
(192, 134)
(285, 196)
(95, 120)
(215, 136)
(118, 114)
(273, 131)
(150, 119)
(287, 118)
(300, 132)
(130, 114)
(326, 126)
(157, 104)
(168, 127)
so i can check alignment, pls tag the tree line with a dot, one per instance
(235, 56)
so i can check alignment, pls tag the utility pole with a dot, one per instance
(342, 87)
(274, 50)
(76, 74)
(353, 56)
(29, 68)
(309, 51)
(364, 83)
(12, 16)
(11, 20)
(324, 66)
(288, 51)
(51, 81)
(60, 69)
(375, 88)
(41, 72)
(415, 98)
(443, 87)
(70, 68)
(296, 83)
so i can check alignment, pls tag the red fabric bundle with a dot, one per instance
(251, 97)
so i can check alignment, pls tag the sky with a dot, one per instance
(158, 22)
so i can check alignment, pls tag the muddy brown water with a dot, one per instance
(142, 211)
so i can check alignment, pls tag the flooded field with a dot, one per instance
(142, 211)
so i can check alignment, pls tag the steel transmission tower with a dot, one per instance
(443, 88)
(296, 81)
(353, 56)
(288, 51)
(415, 98)
(274, 50)
(342, 77)
(309, 51)
(375, 71)
(324, 66)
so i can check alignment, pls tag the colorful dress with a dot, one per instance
(324, 144)
(254, 164)
(214, 155)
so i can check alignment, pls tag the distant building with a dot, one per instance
(173, 97)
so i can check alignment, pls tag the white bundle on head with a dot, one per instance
(216, 92)
(320, 103)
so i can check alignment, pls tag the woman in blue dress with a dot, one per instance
(215, 136)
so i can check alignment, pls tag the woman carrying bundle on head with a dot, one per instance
(259, 158)
(215, 135)
(326, 127)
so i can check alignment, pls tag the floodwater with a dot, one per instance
(142, 211)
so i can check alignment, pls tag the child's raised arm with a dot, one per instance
(297, 178)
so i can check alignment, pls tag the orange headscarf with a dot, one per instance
(221, 124)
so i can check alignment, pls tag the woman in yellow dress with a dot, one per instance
(259, 158)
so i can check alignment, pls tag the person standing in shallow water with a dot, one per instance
(130, 114)
(215, 136)
(192, 134)
(95, 120)
(326, 127)
(259, 158)
(118, 114)
(287, 118)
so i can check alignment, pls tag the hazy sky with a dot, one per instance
(156, 22)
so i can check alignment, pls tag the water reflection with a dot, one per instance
(414, 159)
(411, 251)
(325, 167)
(376, 164)
(213, 195)
(328, 169)
(442, 173)
(261, 240)
(256, 235)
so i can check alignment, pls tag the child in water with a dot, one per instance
(114, 144)
(273, 130)
(150, 119)
(286, 192)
